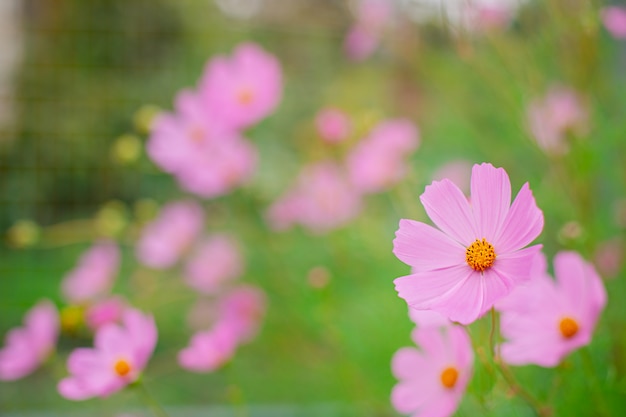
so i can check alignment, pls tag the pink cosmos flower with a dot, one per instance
(109, 310)
(215, 261)
(167, 237)
(243, 89)
(29, 346)
(119, 356)
(546, 320)
(378, 161)
(209, 350)
(242, 311)
(207, 158)
(551, 119)
(333, 125)
(321, 200)
(94, 274)
(432, 380)
(476, 255)
(614, 19)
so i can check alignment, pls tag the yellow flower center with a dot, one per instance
(122, 368)
(449, 377)
(568, 327)
(72, 317)
(480, 255)
(245, 96)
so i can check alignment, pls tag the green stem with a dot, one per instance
(149, 400)
(539, 409)
(492, 334)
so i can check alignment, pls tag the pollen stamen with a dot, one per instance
(122, 368)
(480, 255)
(449, 377)
(568, 327)
(245, 96)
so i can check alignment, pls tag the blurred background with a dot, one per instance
(81, 80)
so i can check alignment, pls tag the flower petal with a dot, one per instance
(523, 223)
(432, 342)
(448, 208)
(83, 360)
(464, 302)
(491, 199)
(423, 289)
(581, 284)
(517, 266)
(111, 339)
(463, 353)
(533, 339)
(496, 286)
(425, 248)
(74, 389)
(143, 334)
(408, 396)
(442, 405)
(407, 362)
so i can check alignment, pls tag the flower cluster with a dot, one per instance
(328, 194)
(477, 260)
(201, 144)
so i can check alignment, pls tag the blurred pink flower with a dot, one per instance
(207, 158)
(219, 168)
(614, 19)
(476, 256)
(546, 320)
(333, 125)
(94, 274)
(551, 119)
(609, 257)
(119, 356)
(243, 89)
(209, 350)
(164, 239)
(456, 171)
(378, 161)
(371, 19)
(320, 200)
(284, 212)
(109, 310)
(215, 261)
(432, 380)
(492, 16)
(242, 311)
(360, 43)
(29, 346)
